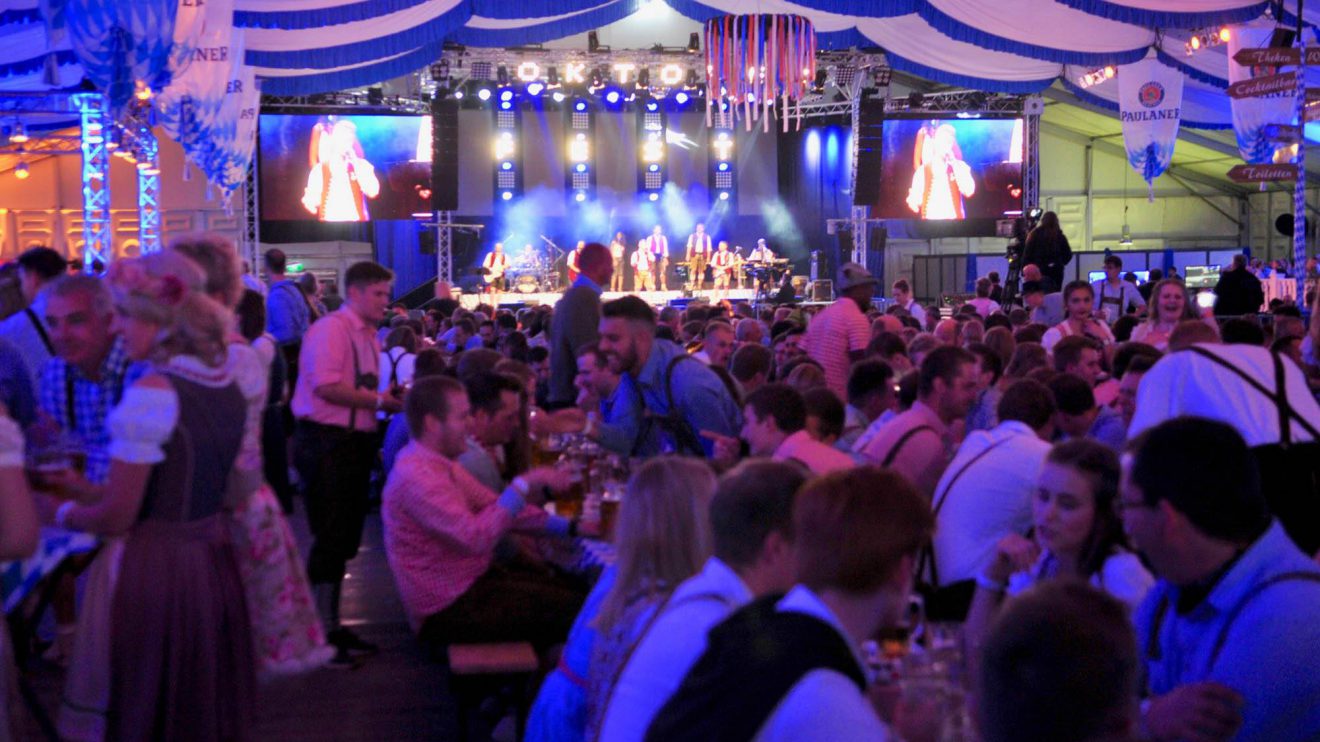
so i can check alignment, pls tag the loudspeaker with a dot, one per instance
(444, 154)
(822, 290)
(870, 152)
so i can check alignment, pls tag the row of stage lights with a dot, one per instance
(580, 174)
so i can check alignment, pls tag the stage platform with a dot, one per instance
(654, 298)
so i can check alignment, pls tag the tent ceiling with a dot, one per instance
(307, 46)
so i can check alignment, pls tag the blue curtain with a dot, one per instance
(399, 248)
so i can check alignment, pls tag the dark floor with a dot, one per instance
(397, 695)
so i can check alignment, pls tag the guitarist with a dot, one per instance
(494, 267)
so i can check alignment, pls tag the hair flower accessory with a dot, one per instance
(170, 290)
(129, 276)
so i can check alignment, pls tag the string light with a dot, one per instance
(1206, 38)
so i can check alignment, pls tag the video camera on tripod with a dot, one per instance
(1017, 231)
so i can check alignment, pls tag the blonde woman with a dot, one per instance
(287, 633)
(1169, 305)
(180, 647)
(663, 539)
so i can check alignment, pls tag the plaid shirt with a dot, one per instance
(85, 416)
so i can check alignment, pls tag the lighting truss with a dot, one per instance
(958, 101)
(148, 169)
(97, 244)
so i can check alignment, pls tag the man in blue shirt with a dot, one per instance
(26, 329)
(287, 315)
(677, 398)
(574, 323)
(1231, 631)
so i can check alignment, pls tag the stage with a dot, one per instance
(514, 299)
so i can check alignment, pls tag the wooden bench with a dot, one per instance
(471, 664)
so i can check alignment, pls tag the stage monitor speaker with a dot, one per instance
(822, 290)
(444, 154)
(870, 152)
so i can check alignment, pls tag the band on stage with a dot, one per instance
(648, 263)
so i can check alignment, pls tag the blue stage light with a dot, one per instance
(535, 88)
(506, 95)
(612, 97)
(506, 105)
(507, 195)
(558, 96)
(681, 98)
(458, 95)
(581, 168)
(723, 166)
(724, 195)
(580, 106)
(506, 166)
(654, 197)
(655, 168)
(652, 105)
(484, 93)
(580, 197)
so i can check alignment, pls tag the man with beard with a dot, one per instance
(682, 397)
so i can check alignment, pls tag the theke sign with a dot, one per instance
(1275, 56)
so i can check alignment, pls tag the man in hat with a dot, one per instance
(838, 336)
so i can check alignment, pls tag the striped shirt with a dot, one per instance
(835, 333)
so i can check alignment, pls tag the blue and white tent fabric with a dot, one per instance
(1150, 109)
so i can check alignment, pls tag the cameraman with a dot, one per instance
(1048, 248)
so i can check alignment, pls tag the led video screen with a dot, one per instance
(334, 168)
(950, 169)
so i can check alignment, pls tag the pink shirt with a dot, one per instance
(441, 528)
(923, 456)
(811, 453)
(335, 347)
(831, 336)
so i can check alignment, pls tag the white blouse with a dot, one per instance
(1122, 575)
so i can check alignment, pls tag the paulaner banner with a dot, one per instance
(1150, 107)
(1268, 105)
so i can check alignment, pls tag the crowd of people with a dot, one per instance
(1113, 492)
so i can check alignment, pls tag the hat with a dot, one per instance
(852, 275)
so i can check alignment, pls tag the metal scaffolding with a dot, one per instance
(148, 169)
(97, 243)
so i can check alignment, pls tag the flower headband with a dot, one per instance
(129, 276)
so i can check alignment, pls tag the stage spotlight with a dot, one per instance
(506, 165)
(694, 42)
(552, 74)
(484, 93)
(724, 195)
(502, 75)
(535, 88)
(654, 196)
(506, 95)
(507, 195)
(821, 75)
(21, 171)
(613, 97)
(681, 98)
(597, 78)
(458, 94)
(593, 42)
(557, 96)
(916, 100)
(375, 96)
(654, 168)
(581, 167)
(580, 106)
(505, 105)
(644, 78)
(723, 167)
(691, 78)
(652, 106)
(580, 197)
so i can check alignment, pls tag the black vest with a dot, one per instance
(752, 660)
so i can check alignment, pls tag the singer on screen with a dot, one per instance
(341, 179)
(942, 180)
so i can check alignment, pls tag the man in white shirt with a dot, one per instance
(722, 267)
(792, 669)
(496, 264)
(986, 492)
(617, 248)
(903, 298)
(1113, 295)
(643, 265)
(752, 527)
(697, 256)
(658, 244)
(717, 344)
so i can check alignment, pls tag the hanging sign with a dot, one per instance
(1260, 86)
(1259, 95)
(1275, 56)
(1150, 108)
(1263, 173)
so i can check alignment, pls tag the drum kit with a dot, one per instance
(536, 270)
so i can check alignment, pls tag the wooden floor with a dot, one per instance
(399, 694)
